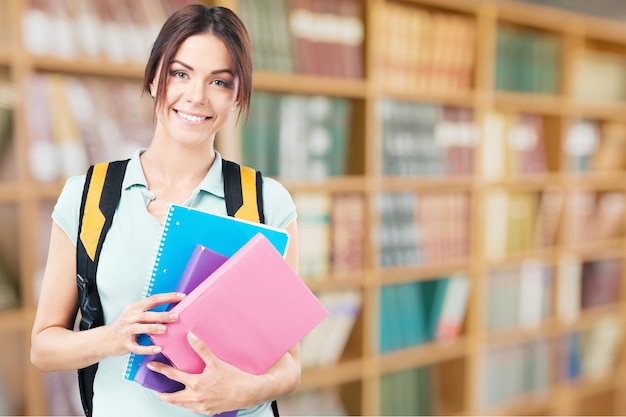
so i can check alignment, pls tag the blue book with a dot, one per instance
(412, 318)
(185, 228)
(433, 293)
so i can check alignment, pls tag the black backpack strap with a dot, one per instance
(101, 195)
(243, 192)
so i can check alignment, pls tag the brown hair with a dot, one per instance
(197, 19)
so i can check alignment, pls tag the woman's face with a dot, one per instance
(201, 91)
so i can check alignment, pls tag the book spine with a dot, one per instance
(148, 289)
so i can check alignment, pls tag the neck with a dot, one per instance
(178, 167)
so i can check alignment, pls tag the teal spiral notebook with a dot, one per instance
(184, 228)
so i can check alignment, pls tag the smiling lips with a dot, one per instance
(191, 117)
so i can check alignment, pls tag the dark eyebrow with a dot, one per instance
(189, 67)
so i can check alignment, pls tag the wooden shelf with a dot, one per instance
(399, 274)
(309, 84)
(422, 355)
(91, 67)
(425, 184)
(341, 373)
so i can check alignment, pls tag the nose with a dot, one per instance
(197, 92)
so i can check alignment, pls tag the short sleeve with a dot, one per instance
(67, 208)
(278, 205)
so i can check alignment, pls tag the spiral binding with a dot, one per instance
(148, 287)
(147, 290)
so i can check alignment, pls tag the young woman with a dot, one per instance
(199, 71)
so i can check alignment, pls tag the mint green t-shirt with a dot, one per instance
(125, 265)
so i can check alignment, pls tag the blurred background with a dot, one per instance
(459, 172)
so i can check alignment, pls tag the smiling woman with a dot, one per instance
(199, 71)
(201, 91)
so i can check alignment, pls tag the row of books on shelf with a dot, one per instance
(423, 228)
(599, 75)
(83, 120)
(319, 402)
(319, 37)
(10, 290)
(513, 145)
(423, 50)
(423, 139)
(324, 345)
(527, 60)
(594, 146)
(409, 392)
(521, 221)
(301, 137)
(508, 372)
(518, 296)
(418, 312)
(332, 233)
(523, 295)
(297, 136)
(9, 297)
(117, 30)
(592, 353)
(8, 98)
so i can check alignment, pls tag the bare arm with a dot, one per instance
(55, 346)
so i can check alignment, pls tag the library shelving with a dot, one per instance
(460, 170)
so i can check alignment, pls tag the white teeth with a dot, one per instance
(191, 118)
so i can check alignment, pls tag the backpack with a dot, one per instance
(243, 191)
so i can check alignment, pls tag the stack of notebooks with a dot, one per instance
(244, 300)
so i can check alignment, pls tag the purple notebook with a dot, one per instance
(202, 263)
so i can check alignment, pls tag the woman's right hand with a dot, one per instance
(138, 319)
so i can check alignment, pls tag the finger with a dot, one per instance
(158, 299)
(200, 348)
(157, 317)
(146, 350)
(169, 371)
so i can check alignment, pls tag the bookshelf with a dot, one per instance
(468, 102)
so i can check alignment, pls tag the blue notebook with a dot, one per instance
(184, 229)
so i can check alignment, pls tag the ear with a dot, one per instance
(153, 89)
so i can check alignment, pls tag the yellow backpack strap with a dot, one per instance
(243, 192)
(101, 195)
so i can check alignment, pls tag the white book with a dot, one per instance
(453, 309)
(343, 308)
(531, 293)
(569, 287)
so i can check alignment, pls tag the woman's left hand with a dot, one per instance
(220, 387)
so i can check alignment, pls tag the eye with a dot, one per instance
(178, 74)
(221, 83)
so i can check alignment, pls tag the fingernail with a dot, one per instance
(181, 295)
(157, 349)
(192, 337)
(173, 316)
(161, 328)
(150, 366)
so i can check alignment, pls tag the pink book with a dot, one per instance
(249, 312)
(202, 263)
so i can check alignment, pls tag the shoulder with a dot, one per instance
(67, 208)
(278, 204)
